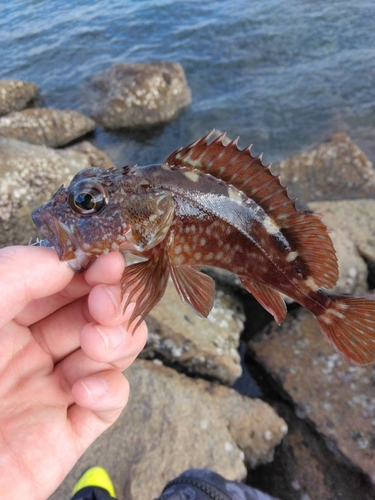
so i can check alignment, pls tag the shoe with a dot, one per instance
(94, 484)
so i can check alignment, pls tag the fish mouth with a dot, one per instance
(67, 244)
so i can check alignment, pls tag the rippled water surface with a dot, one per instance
(282, 74)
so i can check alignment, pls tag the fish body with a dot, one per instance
(208, 205)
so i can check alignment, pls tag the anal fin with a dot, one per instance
(196, 289)
(269, 298)
(145, 282)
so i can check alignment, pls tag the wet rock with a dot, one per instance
(336, 398)
(16, 94)
(336, 169)
(29, 176)
(96, 157)
(48, 126)
(173, 423)
(205, 347)
(140, 94)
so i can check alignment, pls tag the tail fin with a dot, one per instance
(349, 326)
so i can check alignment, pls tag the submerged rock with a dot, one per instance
(140, 94)
(203, 347)
(48, 126)
(29, 176)
(334, 170)
(16, 94)
(337, 398)
(173, 423)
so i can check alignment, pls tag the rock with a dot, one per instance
(356, 218)
(140, 94)
(334, 170)
(336, 398)
(29, 176)
(96, 157)
(304, 468)
(352, 268)
(15, 95)
(204, 347)
(48, 126)
(172, 423)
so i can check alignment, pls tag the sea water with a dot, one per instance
(282, 74)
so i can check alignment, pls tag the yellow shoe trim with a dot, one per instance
(96, 476)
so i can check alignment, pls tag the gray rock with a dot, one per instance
(356, 218)
(205, 347)
(352, 268)
(173, 423)
(334, 170)
(140, 94)
(15, 95)
(29, 176)
(305, 468)
(48, 126)
(96, 157)
(338, 399)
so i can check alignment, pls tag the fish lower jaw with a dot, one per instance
(81, 260)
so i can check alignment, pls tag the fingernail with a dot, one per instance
(95, 387)
(113, 336)
(113, 298)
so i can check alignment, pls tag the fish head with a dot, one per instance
(85, 219)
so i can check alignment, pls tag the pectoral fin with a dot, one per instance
(196, 289)
(145, 282)
(267, 297)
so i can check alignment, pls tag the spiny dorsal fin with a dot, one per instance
(238, 168)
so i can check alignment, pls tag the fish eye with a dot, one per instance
(87, 198)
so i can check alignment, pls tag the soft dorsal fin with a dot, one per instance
(237, 168)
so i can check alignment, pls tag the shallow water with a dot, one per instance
(282, 75)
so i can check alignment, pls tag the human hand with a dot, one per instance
(64, 342)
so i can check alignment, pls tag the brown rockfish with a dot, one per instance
(208, 205)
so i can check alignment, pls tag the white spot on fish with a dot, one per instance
(291, 256)
(178, 260)
(153, 217)
(192, 175)
(178, 249)
(235, 195)
(310, 283)
(270, 226)
(165, 166)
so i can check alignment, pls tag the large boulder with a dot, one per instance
(173, 423)
(334, 170)
(337, 399)
(16, 94)
(29, 176)
(48, 126)
(203, 347)
(355, 218)
(140, 94)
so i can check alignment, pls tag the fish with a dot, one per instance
(209, 204)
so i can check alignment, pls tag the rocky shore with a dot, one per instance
(311, 434)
